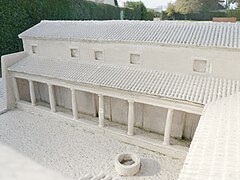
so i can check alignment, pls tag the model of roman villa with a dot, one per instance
(157, 85)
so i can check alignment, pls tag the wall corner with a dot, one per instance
(8, 92)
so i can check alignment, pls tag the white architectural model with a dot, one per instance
(155, 76)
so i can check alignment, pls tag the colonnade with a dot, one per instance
(131, 109)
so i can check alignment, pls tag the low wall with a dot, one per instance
(225, 19)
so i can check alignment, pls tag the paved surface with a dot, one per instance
(75, 151)
(215, 150)
(1, 89)
(15, 166)
(1, 95)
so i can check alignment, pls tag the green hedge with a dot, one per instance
(202, 16)
(234, 13)
(206, 16)
(94, 11)
(18, 15)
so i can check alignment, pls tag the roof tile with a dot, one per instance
(193, 88)
(210, 34)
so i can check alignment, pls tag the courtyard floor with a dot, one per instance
(76, 151)
(1, 95)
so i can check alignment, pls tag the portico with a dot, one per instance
(131, 98)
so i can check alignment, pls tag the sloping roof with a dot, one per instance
(215, 150)
(210, 34)
(186, 87)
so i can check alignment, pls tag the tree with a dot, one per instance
(139, 7)
(213, 5)
(188, 6)
(171, 10)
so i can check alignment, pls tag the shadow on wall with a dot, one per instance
(149, 167)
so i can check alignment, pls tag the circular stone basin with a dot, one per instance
(127, 164)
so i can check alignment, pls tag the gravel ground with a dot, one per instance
(1, 96)
(76, 151)
(15, 166)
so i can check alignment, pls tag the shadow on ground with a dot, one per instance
(149, 167)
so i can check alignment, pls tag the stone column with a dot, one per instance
(131, 118)
(168, 127)
(15, 89)
(52, 97)
(74, 104)
(32, 92)
(101, 111)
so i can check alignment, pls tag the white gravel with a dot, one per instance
(1, 96)
(77, 151)
(15, 166)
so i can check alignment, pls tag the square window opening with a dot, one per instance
(35, 49)
(74, 52)
(98, 55)
(200, 66)
(135, 59)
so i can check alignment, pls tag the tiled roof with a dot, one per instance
(208, 34)
(215, 150)
(186, 87)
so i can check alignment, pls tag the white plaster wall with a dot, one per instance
(154, 119)
(222, 62)
(6, 61)
(107, 108)
(119, 109)
(85, 103)
(41, 92)
(139, 114)
(24, 91)
(190, 126)
(116, 110)
(178, 124)
(63, 97)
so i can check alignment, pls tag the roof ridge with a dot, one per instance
(141, 21)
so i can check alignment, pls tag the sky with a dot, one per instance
(152, 3)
